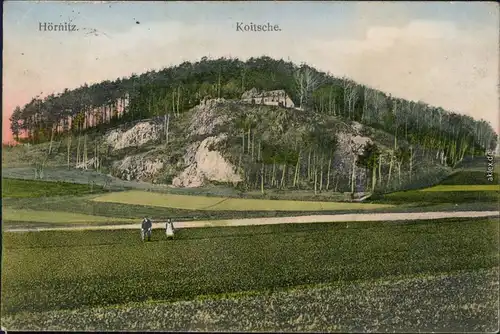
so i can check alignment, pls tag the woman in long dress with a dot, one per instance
(169, 229)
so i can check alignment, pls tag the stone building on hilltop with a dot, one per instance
(270, 98)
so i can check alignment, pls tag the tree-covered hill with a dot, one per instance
(177, 89)
(299, 143)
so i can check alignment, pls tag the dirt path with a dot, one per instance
(357, 217)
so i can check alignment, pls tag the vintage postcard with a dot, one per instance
(250, 166)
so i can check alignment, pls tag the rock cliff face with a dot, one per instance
(138, 167)
(205, 119)
(350, 145)
(140, 134)
(203, 163)
(200, 162)
(206, 165)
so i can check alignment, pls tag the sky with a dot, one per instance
(443, 53)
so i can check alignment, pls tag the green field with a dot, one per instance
(478, 164)
(56, 210)
(470, 188)
(428, 303)
(66, 270)
(107, 280)
(81, 204)
(435, 197)
(117, 212)
(227, 204)
(470, 177)
(16, 188)
(22, 215)
(463, 186)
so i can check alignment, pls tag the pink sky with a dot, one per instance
(6, 133)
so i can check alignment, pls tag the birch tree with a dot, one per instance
(306, 81)
(69, 149)
(166, 123)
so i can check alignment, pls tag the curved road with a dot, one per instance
(357, 217)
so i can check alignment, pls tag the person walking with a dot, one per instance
(146, 228)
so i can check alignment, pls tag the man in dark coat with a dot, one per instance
(146, 228)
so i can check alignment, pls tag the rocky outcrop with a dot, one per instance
(138, 167)
(140, 134)
(350, 145)
(205, 118)
(203, 163)
(206, 165)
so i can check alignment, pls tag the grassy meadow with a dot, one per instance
(471, 177)
(463, 186)
(36, 202)
(435, 197)
(135, 197)
(22, 215)
(470, 187)
(52, 202)
(216, 276)
(66, 270)
(18, 188)
(425, 302)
